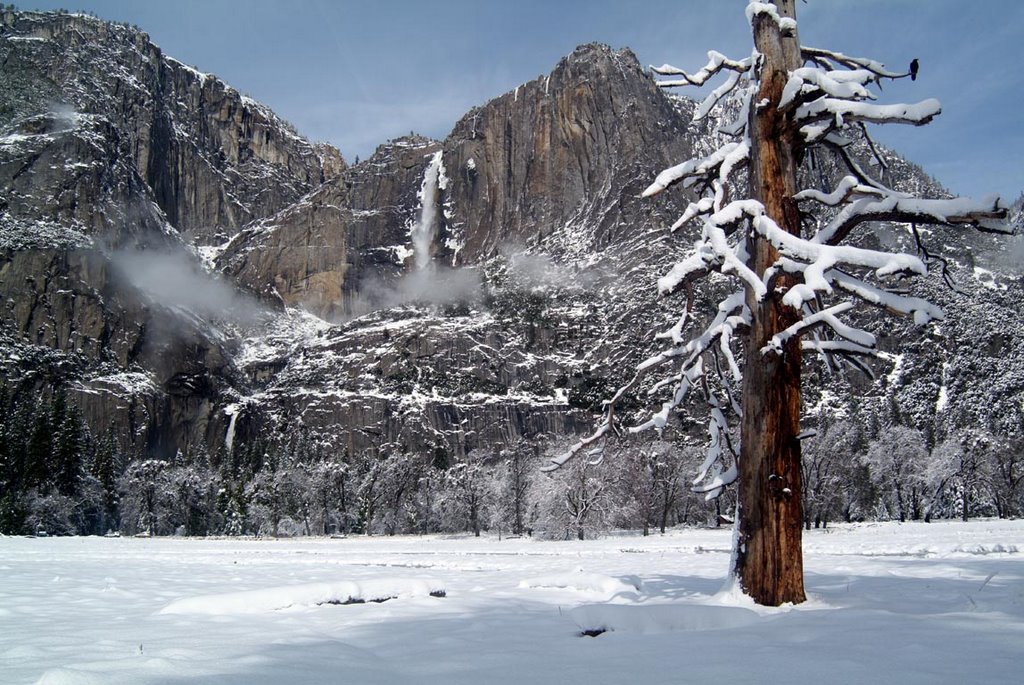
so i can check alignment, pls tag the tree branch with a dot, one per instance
(821, 56)
(716, 63)
(985, 215)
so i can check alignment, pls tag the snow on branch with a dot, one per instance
(733, 317)
(754, 9)
(849, 187)
(705, 205)
(713, 488)
(717, 95)
(820, 259)
(607, 425)
(713, 252)
(874, 204)
(720, 164)
(808, 81)
(732, 314)
(922, 310)
(828, 59)
(839, 111)
(827, 317)
(718, 432)
(716, 63)
(843, 347)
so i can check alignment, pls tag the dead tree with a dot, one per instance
(796, 271)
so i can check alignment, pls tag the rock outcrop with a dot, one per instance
(559, 162)
(324, 252)
(212, 158)
(108, 146)
(438, 297)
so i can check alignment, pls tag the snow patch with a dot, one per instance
(785, 24)
(127, 384)
(987, 279)
(309, 595)
(199, 75)
(208, 254)
(579, 581)
(660, 618)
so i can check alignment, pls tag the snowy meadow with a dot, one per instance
(889, 602)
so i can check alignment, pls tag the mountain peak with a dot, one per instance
(602, 51)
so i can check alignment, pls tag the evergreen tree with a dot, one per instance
(71, 442)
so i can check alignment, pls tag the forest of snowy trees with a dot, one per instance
(58, 478)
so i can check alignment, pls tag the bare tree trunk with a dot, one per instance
(769, 562)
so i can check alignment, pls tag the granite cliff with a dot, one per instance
(440, 296)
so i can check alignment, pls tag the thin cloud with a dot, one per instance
(177, 281)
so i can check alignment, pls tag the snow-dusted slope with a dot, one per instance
(533, 297)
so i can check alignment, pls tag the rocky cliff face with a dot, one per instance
(438, 297)
(571, 149)
(212, 158)
(538, 229)
(566, 154)
(108, 146)
(322, 252)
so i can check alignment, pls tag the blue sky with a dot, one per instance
(356, 73)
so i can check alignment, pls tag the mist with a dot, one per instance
(536, 270)
(433, 286)
(176, 280)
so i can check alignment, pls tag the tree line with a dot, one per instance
(58, 478)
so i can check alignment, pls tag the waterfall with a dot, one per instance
(229, 438)
(423, 232)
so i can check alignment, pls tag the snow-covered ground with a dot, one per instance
(911, 603)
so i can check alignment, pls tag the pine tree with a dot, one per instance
(71, 443)
(106, 469)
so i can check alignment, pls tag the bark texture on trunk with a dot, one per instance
(769, 561)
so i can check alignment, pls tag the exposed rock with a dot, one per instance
(574, 148)
(320, 252)
(568, 153)
(213, 158)
(105, 143)
(102, 140)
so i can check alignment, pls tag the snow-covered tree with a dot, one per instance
(512, 485)
(964, 464)
(147, 498)
(897, 461)
(385, 494)
(466, 494)
(651, 479)
(637, 478)
(51, 513)
(329, 489)
(191, 512)
(833, 477)
(1006, 481)
(796, 271)
(576, 502)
